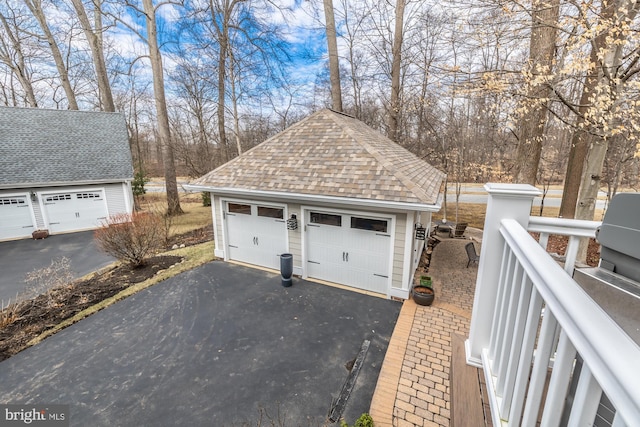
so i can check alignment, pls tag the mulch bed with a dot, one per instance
(37, 315)
(26, 320)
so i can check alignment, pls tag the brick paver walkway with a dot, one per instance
(413, 388)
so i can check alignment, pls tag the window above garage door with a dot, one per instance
(370, 224)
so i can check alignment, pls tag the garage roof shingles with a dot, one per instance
(39, 146)
(331, 154)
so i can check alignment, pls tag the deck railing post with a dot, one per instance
(506, 201)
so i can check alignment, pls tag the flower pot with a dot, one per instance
(423, 295)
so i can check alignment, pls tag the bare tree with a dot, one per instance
(13, 56)
(601, 110)
(94, 37)
(164, 133)
(35, 6)
(540, 65)
(334, 63)
(394, 104)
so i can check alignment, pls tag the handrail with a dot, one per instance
(563, 226)
(609, 352)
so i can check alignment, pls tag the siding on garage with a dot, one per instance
(295, 237)
(37, 212)
(116, 199)
(398, 251)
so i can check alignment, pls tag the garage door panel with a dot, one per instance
(370, 252)
(15, 217)
(256, 234)
(350, 250)
(325, 249)
(71, 211)
(240, 237)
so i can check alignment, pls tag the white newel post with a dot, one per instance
(506, 201)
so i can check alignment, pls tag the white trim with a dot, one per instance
(300, 198)
(398, 293)
(328, 209)
(54, 184)
(127, 194)
(408, 251)
(218, 250)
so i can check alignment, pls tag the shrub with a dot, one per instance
(138, 183)
(206, 198)
(40, 281)
(365, 420)
(8, 313)
(131, 238)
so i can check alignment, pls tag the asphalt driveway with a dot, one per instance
(209, 347)
(19, 257)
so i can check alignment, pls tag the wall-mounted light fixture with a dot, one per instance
(292, 223)
(33, 196)
(421, 232)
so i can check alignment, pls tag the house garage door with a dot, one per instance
(71, 211)
(349, 249)
(15, 217)
(256, 233)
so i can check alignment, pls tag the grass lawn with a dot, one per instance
(195, 215)
(474, 213)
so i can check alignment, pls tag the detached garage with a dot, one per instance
(61, 171)
(342, 198)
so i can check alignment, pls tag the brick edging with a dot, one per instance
(384, 396)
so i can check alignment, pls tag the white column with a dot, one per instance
(506, 201)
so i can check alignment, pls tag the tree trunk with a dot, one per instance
(541, 58)
(394, 104)
(222, 65)
(94, 38)
(587, 152)
(234, 100)
(35, 6)
(334, 63)
(164, 134)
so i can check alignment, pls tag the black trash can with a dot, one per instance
(286, 269)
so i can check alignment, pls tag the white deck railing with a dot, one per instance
(537, 320)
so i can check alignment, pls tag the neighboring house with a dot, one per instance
(61, 171)
(342, 198)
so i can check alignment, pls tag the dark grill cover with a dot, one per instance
(619, 236)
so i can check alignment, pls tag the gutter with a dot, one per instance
(63, 183)
(300, 197)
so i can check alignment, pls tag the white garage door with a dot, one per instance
(349, 249)
(256, 233)
(15, 217)
(73, 211)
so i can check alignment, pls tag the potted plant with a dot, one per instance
(423, 293)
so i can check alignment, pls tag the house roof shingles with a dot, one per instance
(47, 147)
(331, 154)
